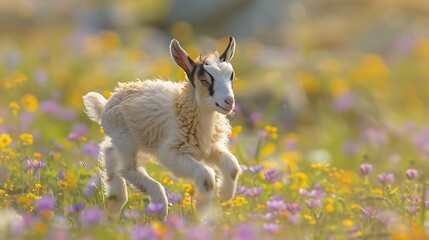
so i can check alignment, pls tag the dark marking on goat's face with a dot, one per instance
(213, 84)
(112, 197)
(208, 185)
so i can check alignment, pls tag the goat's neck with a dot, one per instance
(196, 125)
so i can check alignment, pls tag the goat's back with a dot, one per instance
(144, 109)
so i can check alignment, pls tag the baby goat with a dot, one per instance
(183, 125)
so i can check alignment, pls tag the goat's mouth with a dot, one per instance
(227, 111)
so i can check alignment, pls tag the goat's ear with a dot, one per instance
(180, 56)
(229, 51)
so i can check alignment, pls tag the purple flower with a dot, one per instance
(240, 189)
(253, 192)
(343, 102)
(386, 178)
(271, 175)
(242, 232)
(313, 203)
(80, 129)
(143, 233)
(293, 208)
(255, 117)
(61, 175)
(256, 168)
(91, 149)
(78, 207)
(92, 184)
(173, 198)
(272, 228)
(412, 209)
(365, 169)
(276, 205)
(412, 174)
(294, 219)
(39, 164)
(427, 204)
(198, 232)
(132, 214)
(270, 217)
(370, 212)
(175, 221)
(154, 208)
(46, 203)
(91, 216)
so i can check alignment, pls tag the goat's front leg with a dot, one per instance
(183, 165)
(229, 169)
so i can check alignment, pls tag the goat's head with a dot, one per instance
(212, 76)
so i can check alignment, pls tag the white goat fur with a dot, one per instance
(172, 122)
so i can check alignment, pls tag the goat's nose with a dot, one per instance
(230, 102)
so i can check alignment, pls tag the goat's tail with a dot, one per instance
(94, 105)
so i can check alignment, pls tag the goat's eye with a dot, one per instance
(232, 77)
(205, 82)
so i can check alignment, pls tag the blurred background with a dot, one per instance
(342, 81)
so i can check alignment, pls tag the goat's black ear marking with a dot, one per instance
(229, 51)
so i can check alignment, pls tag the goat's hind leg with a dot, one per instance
(137, 176)
(114, 186)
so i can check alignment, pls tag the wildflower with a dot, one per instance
(154, 208)
(370, 212)
(198, 232)
(175, 221)
(78, 207)
(92, 184)
(313, 203)
(256, 168)
(241, 189)
(45, 203)
(38, 164)
(271, 175)
(30, 102)
(143, 233)
(276, 205)
(132, 214)
(412, 209)
(173, 198)
(272, 228)
(14, 107)
(91, 149)
(293, 208)
(26, 139)
(255, 117)
(270, 217)
(386, 178)
(167, 181)
(91, 216)
(5, 140)
(411, 174)
(365, 169)
(427, 204)
(189, 189)
(253, 192)
(242, 232)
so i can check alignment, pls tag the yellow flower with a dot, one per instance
(316, 165)
(2, 192)
(301, 177)
(70, 179)
(277, 185)
(167, 181)
(5, 140)
(338, 87)
(29, 102)
(37, 185)
(268, 149)
(235, 131)
(189, 189)
(348, 224)
(110, 40)
(239, 201)
(329, 208)
(37, 155)
(26, 139)
(309, 83)
(14, 107)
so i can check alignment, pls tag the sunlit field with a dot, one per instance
(331, 128)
